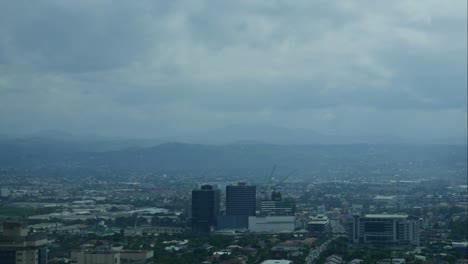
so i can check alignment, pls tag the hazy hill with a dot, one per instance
(267, 134)
(190, 156)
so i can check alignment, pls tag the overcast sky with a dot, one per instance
(151, 68)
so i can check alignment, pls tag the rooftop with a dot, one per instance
(385, 197)
(274, 261)
(319, 219)
(387, 216)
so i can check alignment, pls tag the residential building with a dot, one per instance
(333, 259)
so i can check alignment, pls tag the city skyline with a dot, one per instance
(233, 132)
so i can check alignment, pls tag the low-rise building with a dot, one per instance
(98, 257)
(334, 259)
(396, 229)
(318, 224)
(107, 255)
(271, 224)
(277, 261)
(392, 261)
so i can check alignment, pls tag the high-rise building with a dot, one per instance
(240, 204)
(385, 229)
(277, 206)
(240, 199)
(277, 214)
(205, 209)
(19, 246)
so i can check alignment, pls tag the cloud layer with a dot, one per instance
(155, 68)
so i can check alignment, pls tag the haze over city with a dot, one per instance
(233, 132)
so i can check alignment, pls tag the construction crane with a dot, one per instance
(284, 179)
(265, 188)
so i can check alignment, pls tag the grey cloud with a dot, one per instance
(51, 36)
(103, 64)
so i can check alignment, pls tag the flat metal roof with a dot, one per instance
(386, 216)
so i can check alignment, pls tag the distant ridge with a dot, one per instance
(277, 135)
(233, 134)
(199, 156)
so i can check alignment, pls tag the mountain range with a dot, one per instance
(14, 154)
(233, 134)
(229, 147)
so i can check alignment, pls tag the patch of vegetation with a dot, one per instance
(16, 211)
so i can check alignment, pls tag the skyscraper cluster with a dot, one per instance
(276, 214)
